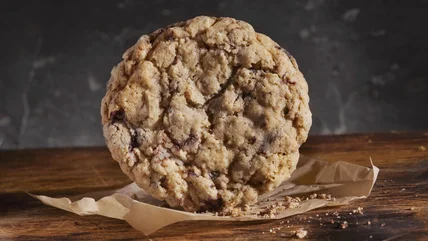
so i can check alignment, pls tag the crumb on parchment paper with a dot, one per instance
(234, 211)
(274, 209)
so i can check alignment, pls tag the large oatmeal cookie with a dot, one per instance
(206, 113)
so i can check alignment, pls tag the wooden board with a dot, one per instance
(397, 208)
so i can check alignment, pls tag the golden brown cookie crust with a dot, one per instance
(206, 113)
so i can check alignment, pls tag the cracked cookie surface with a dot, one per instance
(206, 114)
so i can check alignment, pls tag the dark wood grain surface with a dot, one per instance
(397, 208)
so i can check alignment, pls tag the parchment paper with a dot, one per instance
(344, 181)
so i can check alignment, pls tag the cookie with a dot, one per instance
(206, 114)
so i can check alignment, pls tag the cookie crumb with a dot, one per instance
(422, 148)
(369, 223)
(292, 202)
(233, 212)
(272, 210)
(370, 236)
(344, 225)
(382, 225)
(359, 210)
(301, 233)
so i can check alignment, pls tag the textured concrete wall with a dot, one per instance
(365, 61)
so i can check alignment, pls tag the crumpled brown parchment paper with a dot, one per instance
(344, 181)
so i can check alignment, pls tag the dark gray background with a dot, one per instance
(365, 61)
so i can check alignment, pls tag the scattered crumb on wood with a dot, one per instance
(344, 225)
(382, 225)
(301, 233)
(422, 148)
(359, 210)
